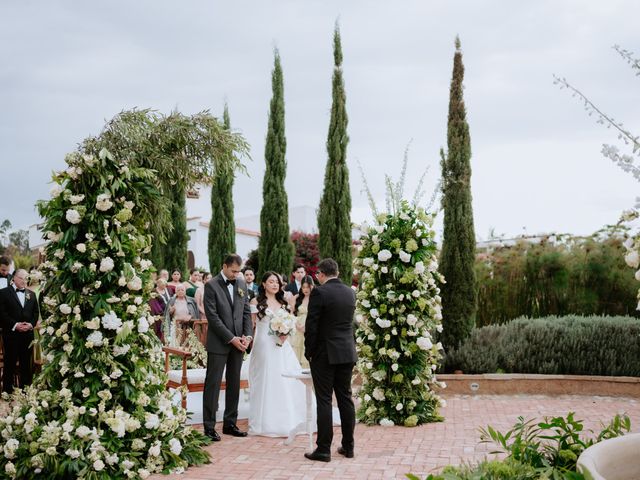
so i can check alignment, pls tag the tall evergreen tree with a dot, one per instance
(459, 297)
(176, 248)
(334, 214)
(276, 250)
(222, 228)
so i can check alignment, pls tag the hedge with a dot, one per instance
(570, 345)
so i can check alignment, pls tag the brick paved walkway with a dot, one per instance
(386, 453)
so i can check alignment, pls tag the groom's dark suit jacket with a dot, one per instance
(329, 324)
(226, 319)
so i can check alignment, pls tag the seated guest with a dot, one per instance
(19, 313)
(179, 315)
(158, 304)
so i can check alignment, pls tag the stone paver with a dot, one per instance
(391, 452)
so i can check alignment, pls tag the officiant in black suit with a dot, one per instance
(330, 347)
(19, 314)
(226, 306)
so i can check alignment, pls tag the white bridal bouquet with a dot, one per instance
(282, 324)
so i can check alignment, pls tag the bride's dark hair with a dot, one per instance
(262, 295)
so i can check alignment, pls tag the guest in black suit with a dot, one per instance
(331, 350)
(19, 313)
(299, 273)
(5, 276)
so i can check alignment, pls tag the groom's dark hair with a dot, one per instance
(329, 267)
(232, 259)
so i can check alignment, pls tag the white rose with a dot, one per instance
(81, 247)
(379, 228)
(110, 321)
(404, 256)
(75, 199)
(628, 243)
(416, 293)
(399, 407)
(419, 269)
(367, 262)
(424, 343)
(632, 258)
(175, 446)
(55, 191)
(394, 367)
(10, 469)
(135, 283)
(95, 338)
(384, 255)
(374, 313)
(385, 422)
(154, 450)
(98, 465)
(412, 319)
(382, 323)
(73, 216)
(143, 325)
(65, 309)
(378, 394)
(106, 264)
(103, 202)
(384, 269)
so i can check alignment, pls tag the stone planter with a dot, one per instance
(613, 459)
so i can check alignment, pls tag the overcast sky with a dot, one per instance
(69, 66)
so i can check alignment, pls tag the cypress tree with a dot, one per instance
(175, 250)
(275, 251)
(459, 297)
(334, 214)
(222, 228)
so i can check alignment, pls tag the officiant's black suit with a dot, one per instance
(330, 347)
(227, 318)
(17, 344)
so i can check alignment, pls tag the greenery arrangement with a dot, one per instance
(398, 313)
(182, 151)
(545, 450)
(557, 275)
(571, 345)
(459, 296)
(334, 212)
(275, 251)
(99, 408)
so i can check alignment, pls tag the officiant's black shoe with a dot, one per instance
(321, 457)
(346, 453)
(233, 430)
(212, 434)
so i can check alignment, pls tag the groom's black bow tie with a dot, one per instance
(230, 282)
(20, 290)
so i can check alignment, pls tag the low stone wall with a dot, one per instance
(514, 383)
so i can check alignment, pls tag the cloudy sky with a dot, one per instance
(68, 66)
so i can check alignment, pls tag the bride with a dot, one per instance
(276, 404)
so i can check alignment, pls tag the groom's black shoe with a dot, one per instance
(233, 430)
(321, 457)
(212, 434)
(346, 453)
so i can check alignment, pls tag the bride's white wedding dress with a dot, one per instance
(276, 404)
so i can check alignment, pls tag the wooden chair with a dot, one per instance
(201, 327)
(192, 379)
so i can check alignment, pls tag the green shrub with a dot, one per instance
(545, 450)
(571, 345)
(562, 275)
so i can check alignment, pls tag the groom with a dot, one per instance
(226, 305)
(331, 350)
